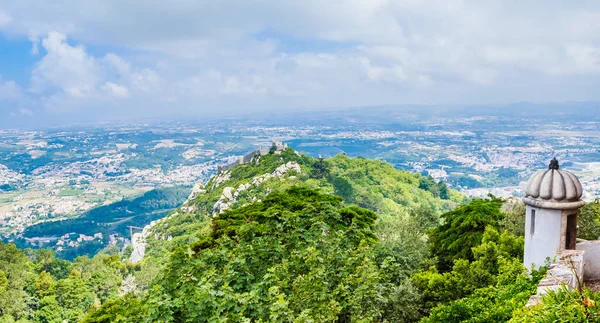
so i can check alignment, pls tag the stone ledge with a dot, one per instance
(567, 271)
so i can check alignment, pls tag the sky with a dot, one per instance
(72, 60)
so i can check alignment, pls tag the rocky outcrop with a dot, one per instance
(225, 201)
(220, 179)
(197, 190)
(230, 194)
(279, 172)
(284, 169)
(138, 240)
(228, 197)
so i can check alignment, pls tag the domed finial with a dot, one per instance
(553, 164)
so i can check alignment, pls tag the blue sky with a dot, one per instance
(99, 60)
(16, 60)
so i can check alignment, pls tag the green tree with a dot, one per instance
(589, 221)
(44, 285)
(18, 270)
(298, 255)
(59, 268)
(3, 282)
(514, 220)
(73, 295)
(493, 303)
(49, 311)
(125, 309)
(127, 252)
(494, 250)
(320, 169)
(463, 229)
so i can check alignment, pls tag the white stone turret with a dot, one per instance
(553, 198)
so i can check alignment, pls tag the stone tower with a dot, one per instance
(553, 198)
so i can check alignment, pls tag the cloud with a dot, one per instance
(65, 68)
(67, 77)
(245, 54)
(9, 91)
(5, 19)
(115, 90)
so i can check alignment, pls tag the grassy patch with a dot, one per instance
(70, 192)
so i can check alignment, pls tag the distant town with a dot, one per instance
(59, 174)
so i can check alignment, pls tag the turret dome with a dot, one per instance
(554, 188)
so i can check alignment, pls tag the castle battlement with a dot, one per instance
(277, 147)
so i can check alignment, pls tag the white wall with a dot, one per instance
(546, 240)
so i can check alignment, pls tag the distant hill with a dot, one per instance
(372, 184)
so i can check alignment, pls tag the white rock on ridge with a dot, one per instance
(225, 201)
(285, 168)
(258, 180)
(227, 193)
(221, 178)
(138, 241)
(198, 189)
(188, 209)
(139, 247)
(221, 207)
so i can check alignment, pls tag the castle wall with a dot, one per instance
(279, 147)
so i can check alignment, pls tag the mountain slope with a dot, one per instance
(401, 199)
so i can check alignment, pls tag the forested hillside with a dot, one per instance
(289, 238)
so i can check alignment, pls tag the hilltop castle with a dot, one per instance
(277, 147)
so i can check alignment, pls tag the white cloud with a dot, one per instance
(586, 58)
(65, 68)
(146, 80)
(117, 64)
(321, 53)
(9, 91)
(67, 77)
(115, 90)
(34, 44)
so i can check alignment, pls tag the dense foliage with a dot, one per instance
(463, 230)
(394, 195)
(588, 221)
(564, 305)
(35, 286)
(343, 240)
(299, 255)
